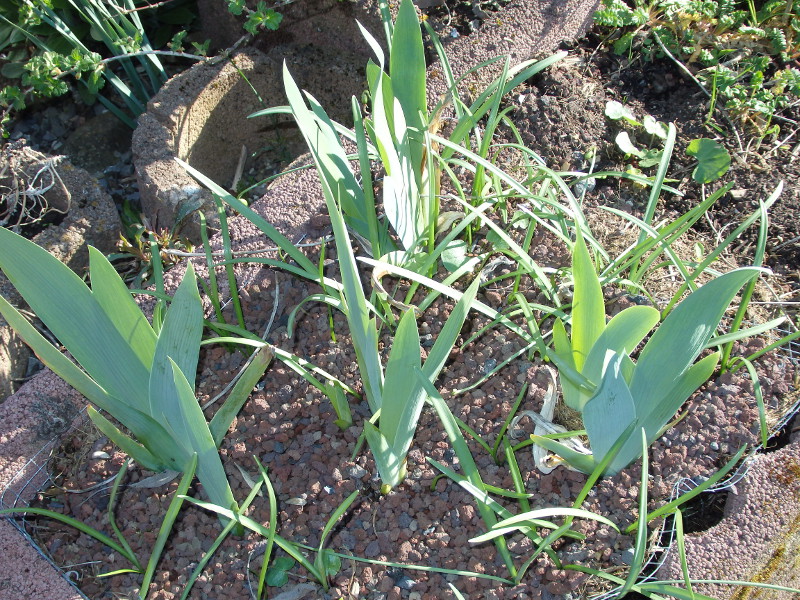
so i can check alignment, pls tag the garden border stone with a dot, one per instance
(90, 218)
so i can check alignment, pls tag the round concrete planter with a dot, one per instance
(200, 116)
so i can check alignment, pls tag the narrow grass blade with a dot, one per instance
(213, 291)
(513, 523)
(290, 548)
(218, 542)
(728, 241)
(679, 539)
(655, 191)
(759, 395)
(166, 525)
(449, 334)
(319, 561)
(501, 437)
(112, 503)
(260, 222)
(747, 294)
(467, 463)
(447, 291)
(646, 589)
(640, 546)
(80, 526)
(273, 528)
(741, 334)
(233, 288)
(672, 505)
(223, 418)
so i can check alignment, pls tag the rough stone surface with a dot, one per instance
(200, 115)
(329, 24)
(759, 538)
(89, 218)
(521, 30)
(41, 409)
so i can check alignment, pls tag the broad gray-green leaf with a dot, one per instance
(391, 467)
(610, 411)
(622, 334)
(402, 395)
(588, 306)
(407, 69)
(198, 440)
(563, 357)
(159, 439)
(116, 301)
(653, 417)
(179, 340)
(52, 358)
(679, 340)
(63, 302)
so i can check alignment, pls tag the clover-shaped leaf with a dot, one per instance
(331, 563)
(713, 160)
(278, 573)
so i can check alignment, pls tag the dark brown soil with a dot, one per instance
(562, 115)
(288, 425)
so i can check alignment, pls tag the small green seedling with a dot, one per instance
(601, 381)
(713, 160)
(648, 157)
